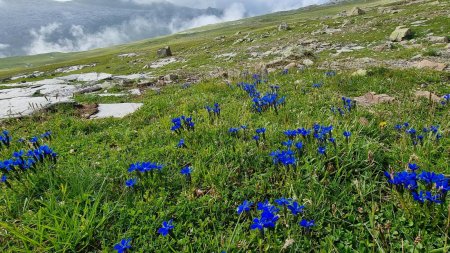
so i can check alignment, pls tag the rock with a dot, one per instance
(428, 95)
(132, 77)
(170, 78)
(164, 52)
(161, 63)
(383, 47)
(24, 106)
(73, 68)
(88, 77)
(135, 92)
(360, 72)
(291, 65)
(308, 62)
(356, 11)
(283, 27)
(400, 33)
(115, 110)
(219, 38)
(438, 39)
(129, 55)
(226, 55)
(372, 98)
(416, 57)
(426, 64)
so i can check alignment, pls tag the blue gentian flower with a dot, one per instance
(322, 150)
(261, 130)
(181, 144)
(123, 246)
(347, 134)
(413, 166)
(295, 208)
(283, 201)
(187, 170)
(307, 223)
(167, 226)
(244, 207)
(3, 178)
(299, 145)
(131, 182)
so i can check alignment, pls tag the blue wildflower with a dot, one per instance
(186, 170)
(413, 166)
(283, 201)
(307, 223)
(347, 134)
(3, 178)
(244, 207)
(130, 183)
(166, 227)
(181, 144)
(295, 208)
(322, 150)
(123, 246)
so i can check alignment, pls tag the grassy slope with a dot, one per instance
(81, 204)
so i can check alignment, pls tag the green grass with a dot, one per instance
(81, 204)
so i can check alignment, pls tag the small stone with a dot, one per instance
(283, 27)
(426, 64)
(291, 65)
(372, 98)
(170, 78)
(428, 95)
(360, 72)
(400, 33)
(164, 52)
(308, 62)
(438, 39)
(356, 11)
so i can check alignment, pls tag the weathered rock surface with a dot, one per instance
(164, 52)
(356, 11)
(427, 64)
(400, 33)
(116, 110)
(428, 95)
(372, 98)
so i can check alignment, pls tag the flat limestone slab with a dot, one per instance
(24, 106)
(116, 110)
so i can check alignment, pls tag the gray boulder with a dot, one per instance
(400, 33)
(283, 27)
(164, 52)
(356, 11)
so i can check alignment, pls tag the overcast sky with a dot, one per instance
(29, 27)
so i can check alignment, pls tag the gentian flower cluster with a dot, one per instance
(426, 187)
(213, 111)
(418, 137)
(260, 132)
(263, 102)
(234, 131)
(269, 213)
(445, 99)
(5, 139)
(143, 167)
(348, 106)
(181, 123)
(24, 160)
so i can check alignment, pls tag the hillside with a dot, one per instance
(323, 129)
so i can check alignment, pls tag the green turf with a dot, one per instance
(81, 204)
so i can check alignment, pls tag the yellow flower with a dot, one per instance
(383, 124)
